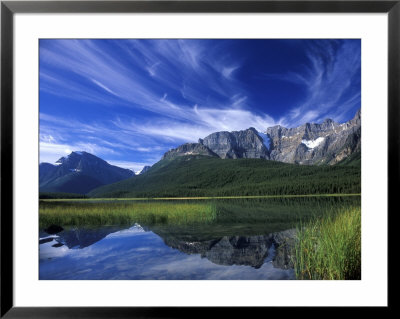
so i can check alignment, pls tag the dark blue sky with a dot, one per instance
(129, 101)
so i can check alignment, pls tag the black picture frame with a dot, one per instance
(9, 8)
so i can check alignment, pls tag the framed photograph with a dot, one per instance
(162, 155)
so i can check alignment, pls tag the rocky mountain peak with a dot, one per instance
(237, 144)
(79, 172)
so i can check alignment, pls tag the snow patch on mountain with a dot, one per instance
(313, 143)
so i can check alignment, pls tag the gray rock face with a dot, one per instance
(325, 143)
(237, 144)
(189, 149)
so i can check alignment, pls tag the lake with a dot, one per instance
(244, 239)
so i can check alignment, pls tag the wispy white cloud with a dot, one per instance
(152, 69)
(86, 60)
(238, 101)
(232, 119)
(47, 138)
(227, 71)
(103, 87)
(208, 121)
(132, 85)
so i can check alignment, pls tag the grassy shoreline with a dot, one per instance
(329, 248)
(124, 213)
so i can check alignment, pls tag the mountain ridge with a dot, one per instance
(310, 144)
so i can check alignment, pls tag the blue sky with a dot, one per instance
(130, 101)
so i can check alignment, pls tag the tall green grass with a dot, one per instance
(96, 214)
(330, 247)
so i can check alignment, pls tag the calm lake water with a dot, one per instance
(241, 243)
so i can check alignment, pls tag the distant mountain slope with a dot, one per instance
(311, 143)
(196, 175)
(79, 173)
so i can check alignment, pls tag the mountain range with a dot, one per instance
(311, 144)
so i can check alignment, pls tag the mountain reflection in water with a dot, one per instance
(157, 252)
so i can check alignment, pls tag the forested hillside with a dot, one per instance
(207, 176)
